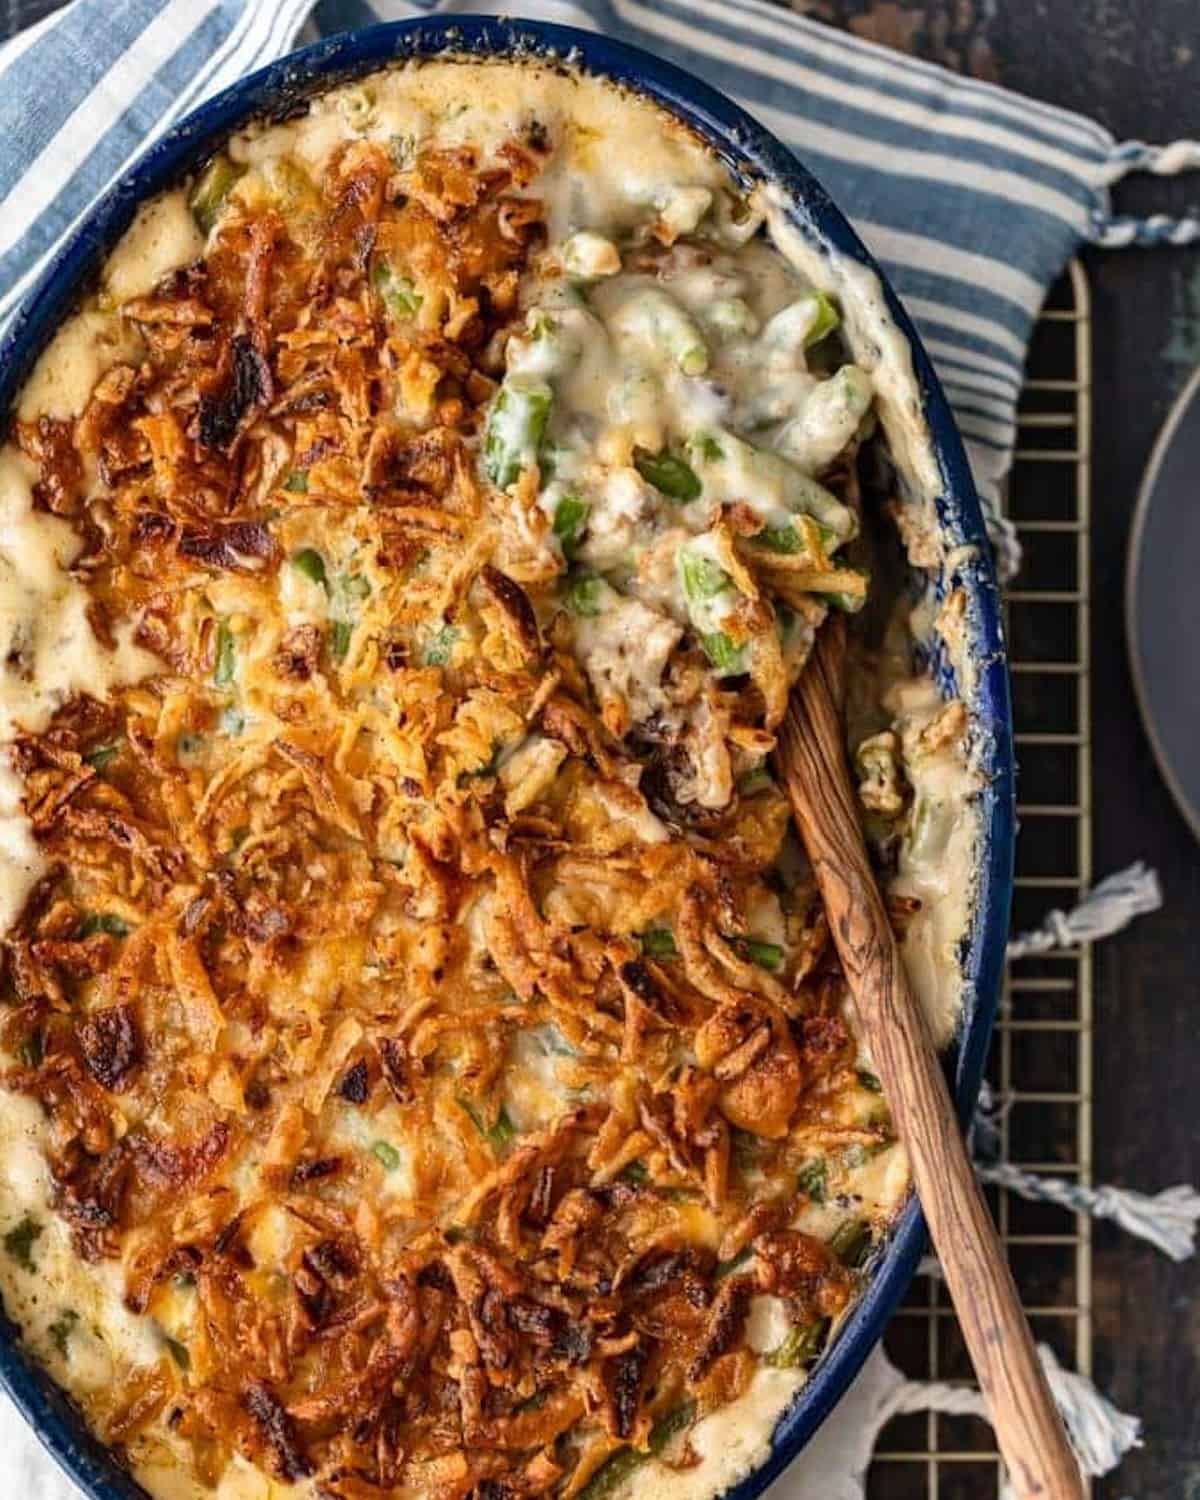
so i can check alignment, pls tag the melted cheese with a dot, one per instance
(162, 237)
(937, 858)
(84, 348)
(48, 648)
(940, 872)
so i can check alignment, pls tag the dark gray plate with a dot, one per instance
(1162, 601)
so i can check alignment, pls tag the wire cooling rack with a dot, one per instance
(1041, 1059)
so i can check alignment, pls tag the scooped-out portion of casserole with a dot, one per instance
(425, 1069)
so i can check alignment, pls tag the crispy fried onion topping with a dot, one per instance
(420, 1052)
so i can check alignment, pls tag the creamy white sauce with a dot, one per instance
(48, 647)
(162, 237)
(943, 873)
(84, 348)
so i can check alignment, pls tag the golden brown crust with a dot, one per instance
(298, 904)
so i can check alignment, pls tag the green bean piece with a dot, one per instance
(730, 468)
(732, 317)
(20, 1240)
(297, 482)
(701, 577)
(671, 1425)
(570, 519)
(933, 821)
(609, 1477)
(799, 1347)
(550, 1041)
(177, 1351)
(782, 539)
(829, 419)
(658, 942)
(788, 541)
(293, 189)
(489, 767)
(826, 320)
(756, 780)
(311, 564)
(441, 647)
(387, 1154)
(547, 458)
(399, 294)
(765, 955)
(803, 493)
(728, 1267)
(103, 922)
(849, 604)
(339, 640)
(585, 595)
(515, 430)
(814, 1179)
(850, 1242)
(636, 1173)
(211, 189)
(31, 1050)
(728, 659)
(61, 1329)
(499, 1134)
(352, 586)
(669, 474)
(101, 755)
(551, 345)
(745, 1148)
(802, 323)
(226, 664)
(503, 1130)
(656, 318)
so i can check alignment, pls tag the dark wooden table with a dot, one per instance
(1135, 66)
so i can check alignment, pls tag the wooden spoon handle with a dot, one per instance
(1028, 1428)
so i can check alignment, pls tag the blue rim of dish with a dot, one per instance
(753, 154)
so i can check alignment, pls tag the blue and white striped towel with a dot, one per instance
(972, 198)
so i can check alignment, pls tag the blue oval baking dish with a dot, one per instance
(754, 155)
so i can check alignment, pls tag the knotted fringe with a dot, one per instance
(1162, 161)
(1100, 1433)
(1166, 1220)
(1106, 908)
(1117, 231)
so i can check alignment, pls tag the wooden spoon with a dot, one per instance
(812, 759)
